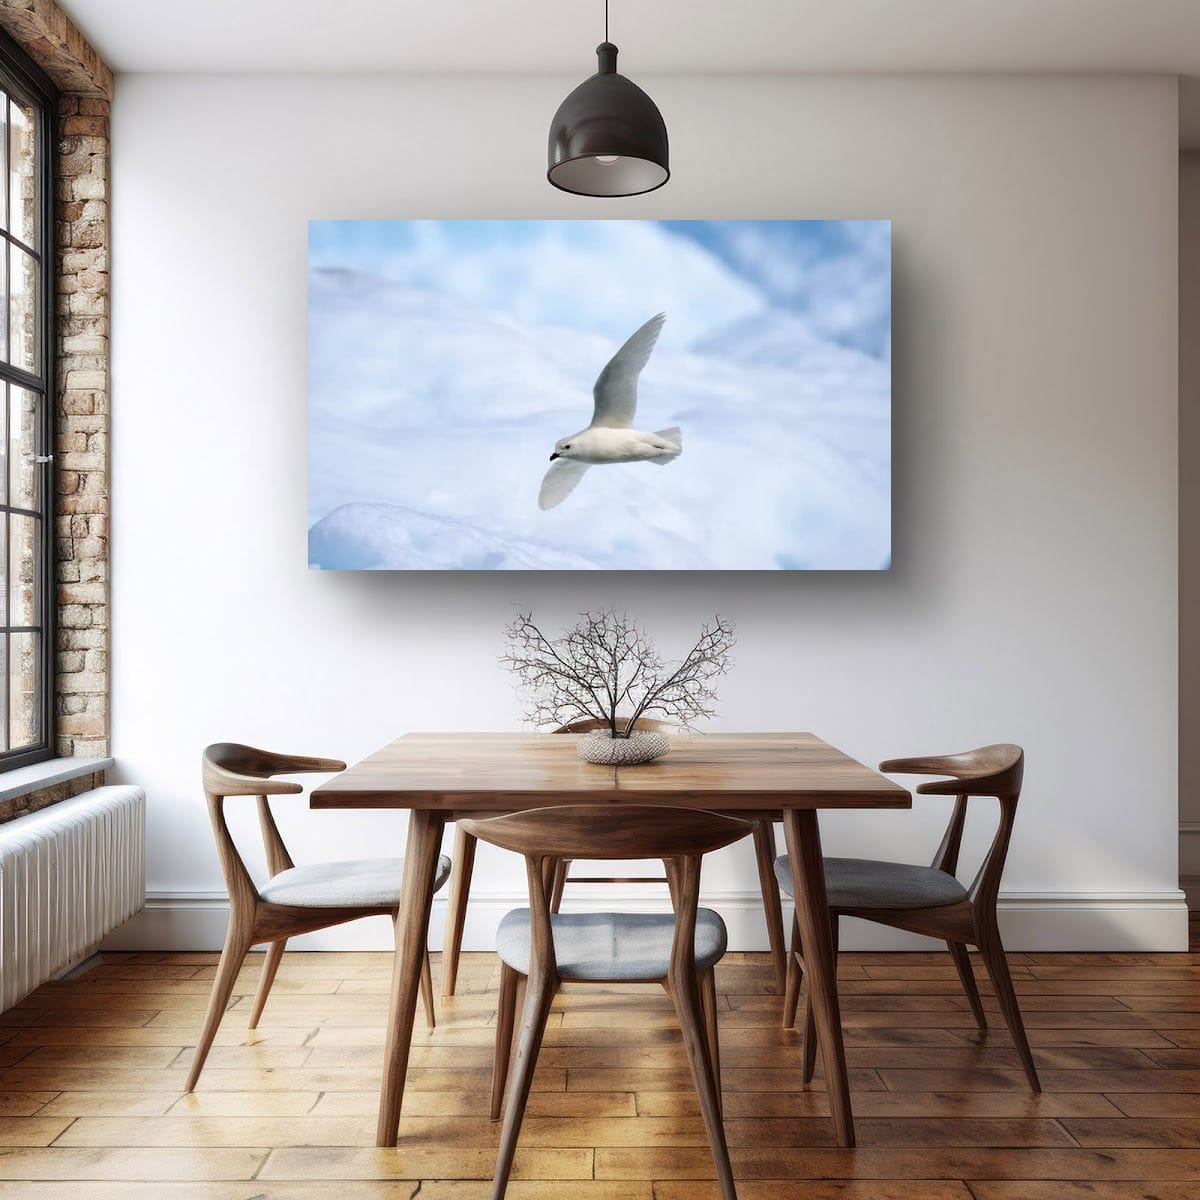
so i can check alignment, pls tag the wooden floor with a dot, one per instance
(91, 1070)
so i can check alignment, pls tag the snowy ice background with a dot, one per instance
(447, 357)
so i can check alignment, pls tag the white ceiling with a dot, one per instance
(654, 35)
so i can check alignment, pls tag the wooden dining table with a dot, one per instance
(441, 777)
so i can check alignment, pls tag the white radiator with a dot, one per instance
(68, 875)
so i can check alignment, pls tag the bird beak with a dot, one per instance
(555, 455)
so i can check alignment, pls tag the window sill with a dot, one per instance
(33, 778)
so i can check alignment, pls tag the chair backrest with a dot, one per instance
(680, 837)
(231, 769)
(995, 770)
(625, 831)
(590, 724)
(989, 771)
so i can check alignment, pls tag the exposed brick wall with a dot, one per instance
(82, 426)
(19, 806)
(82, 374)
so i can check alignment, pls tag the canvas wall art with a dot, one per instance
(599, 395)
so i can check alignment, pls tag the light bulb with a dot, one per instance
(607, 159)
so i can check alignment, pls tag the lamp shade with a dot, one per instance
(608, 137)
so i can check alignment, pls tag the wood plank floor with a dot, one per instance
(91, 1070)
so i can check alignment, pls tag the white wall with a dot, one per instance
(1189, 525)
(1034, 593)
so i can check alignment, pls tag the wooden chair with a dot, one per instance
(677, 951)
(930, 900)
(563, 866)
(464, 859)
(296, 899)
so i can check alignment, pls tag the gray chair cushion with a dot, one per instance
(361, 883)
(606, 947)
(865, 883)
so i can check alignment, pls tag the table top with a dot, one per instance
(501, 772)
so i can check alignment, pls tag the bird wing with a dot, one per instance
(616, 386)
(560, 482)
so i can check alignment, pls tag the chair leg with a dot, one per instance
(427, 992)
(232, 957)
(992, 951)
(791, 995)
(539, 995)
(462, 867)
(672, 890)
(271, 961)
(561, 867)
(962, 964)
(708, 998)
(809, 1049)
(518, 1009)
(764, 853)
(505, 1016)
(686, 994)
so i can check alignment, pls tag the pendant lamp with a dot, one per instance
(608, 137)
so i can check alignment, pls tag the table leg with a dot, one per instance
(412, 937)
(816, 934)
(764, 853)
(461, 868)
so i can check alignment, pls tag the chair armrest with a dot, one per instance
(299, 764)
(934, 764)
(989, 771)
(235, 770)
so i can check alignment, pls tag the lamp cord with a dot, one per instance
(606, 20)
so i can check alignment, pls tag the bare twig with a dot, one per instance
(605, 661)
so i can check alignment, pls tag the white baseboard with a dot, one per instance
(1070, 921)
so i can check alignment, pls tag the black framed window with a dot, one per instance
(27, 104)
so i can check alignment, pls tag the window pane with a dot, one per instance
(5, 451)
(23, 290)
(23, 576)
(22, 172)
(4, 155)
(25, 676)
(4, 302)
(23, 468)
(26, 487)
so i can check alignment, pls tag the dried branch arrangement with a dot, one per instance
(605, 666)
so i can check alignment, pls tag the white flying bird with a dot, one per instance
(611, 438)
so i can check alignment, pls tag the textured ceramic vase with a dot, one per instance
(640, 746)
